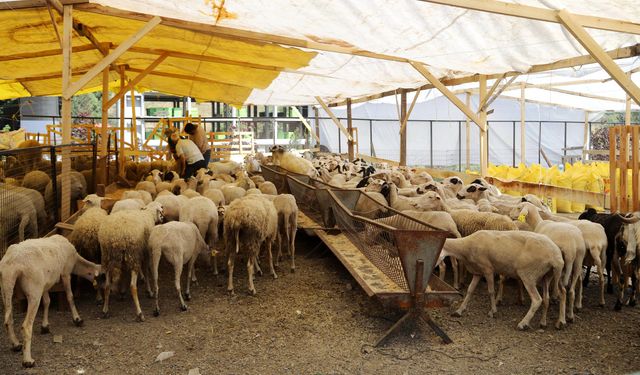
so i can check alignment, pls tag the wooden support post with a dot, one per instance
(627, 109)
(350, 130)
(624, 151)
(315, 110)
(606, 62)
(122, 107)
(635, 155)
(104, 128)
(334, 118)
(484, 150)
(134, 130)
(136, 80)
(403, 129)
(65, 202)
(468, 130)
(523, 125)
(304, 121)
(613, 196)
(585, 142)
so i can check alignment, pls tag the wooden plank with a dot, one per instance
(297, 113)
(613, 201)
(122, 108)
(484, 141)
(65, 203)
(446, 92)
(406, 118)
(540, 14)
(403, 130)
(468, 130)
(107, 60)
(134, 127)
(605, 61)
(136, 80)
(333, 118)
(624, 150)
(500, 90)
(350, 130)
(523, 125)
(635, 156)
(315, 112)
(484, 104)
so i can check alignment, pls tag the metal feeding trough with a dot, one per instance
(391, 255)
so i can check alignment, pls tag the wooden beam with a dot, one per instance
(315, 112)
(333, 118)
(122, 109)
(540, 14)
(613, 166)
(582, 94)
(627, 109)
(523, 124)
(468, 129)
(350, 130)
(104, 127)
(585, 142)
(619, 53)
(21, 4)
(136, 80)
(182, 76)
(446, 92)
(53, 23)
(493, 88)
(65, 202)
(484, 144)
(606, 62)
(406, 118)
(51, 52)
(403, 129)
(297, 113)
(498, 93)
(107, 60)
(134, 128)
(635, 132)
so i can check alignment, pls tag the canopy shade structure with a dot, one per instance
(289, 52)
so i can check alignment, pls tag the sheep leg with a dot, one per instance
(279, 254)
(8, 282)
(472, 286)
(269, 252)
(66, 282)
(146, 272)
(177, 268)
(579, 292)
(599, 260)
(250, 263)
(293, 227)
(134, 293)
(536, 300)
(442, 267)
(44, 329)
(492, 297)
(187, 294)
(27, 329)
(545, 301)
(500, 289)
(155, 263)
(107, 292)
(230, 261)
(456, 272)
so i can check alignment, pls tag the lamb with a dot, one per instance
(202, 212)
(179, 243)
(123, 240)
(142, 195)
(569, 240)
(525, 255)
(268, 187)
(147, 186)
(232, 193)
(249, 222)
(127, 204)
(38, 265)
(216, 196)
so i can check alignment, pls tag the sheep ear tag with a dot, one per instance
(95, 283)
(522, 218)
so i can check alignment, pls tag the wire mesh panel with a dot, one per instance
(306, 198)
(277, 176)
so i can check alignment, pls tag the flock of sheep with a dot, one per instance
(113, 244)
(536, 246)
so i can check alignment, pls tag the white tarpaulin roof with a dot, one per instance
(451, 41)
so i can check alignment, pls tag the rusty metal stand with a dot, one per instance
(417, 311)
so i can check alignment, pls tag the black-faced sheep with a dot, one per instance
(38, 265)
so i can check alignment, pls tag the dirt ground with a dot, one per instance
(318, 321)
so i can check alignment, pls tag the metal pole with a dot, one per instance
(514, 144)
(539, 140)
(371, 138)
(339, 143)
(431, 143)
(54, 184)
(94, 149)
(460, 146)
(565, 139)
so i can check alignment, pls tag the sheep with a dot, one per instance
(232, 193)
(248, 223)
(78, 188)
(469, 222)
(163, 186)
(171, 205)
(216, 196)
(253, 191)
(292, 163)
(155, 175)
(420, 178)
(287, 210)
(629, 237)
(142, 195)
(569, 240)
(257, 179)
(18, 214)
(524, 255)
(123, 240)
(38, 204)
(171, 176)
(179, 243)
(228, 167)
(202, 212)
(37, 265)
(128, 204)
(142, 169)
(189, 193)
(147, 186)
(268, 187)
(36, 180)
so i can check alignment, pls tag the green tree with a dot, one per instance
(86, 105)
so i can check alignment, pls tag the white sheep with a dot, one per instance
(147, 186)
(569, 240)
(18, 215)
(202, 212)
(248, 223)
(253, 191)
(37, 265)
(171, 205)
(216, 196)
(163, 186)
(525, 255)
(287, 210)
(293, 163)
(180, 243)
(190, 193)
(268, 187)
(128, 204)
(123, 241)
(156, 176)
(232, 193)
(143, 195)
(38, 203)
(228, 167)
